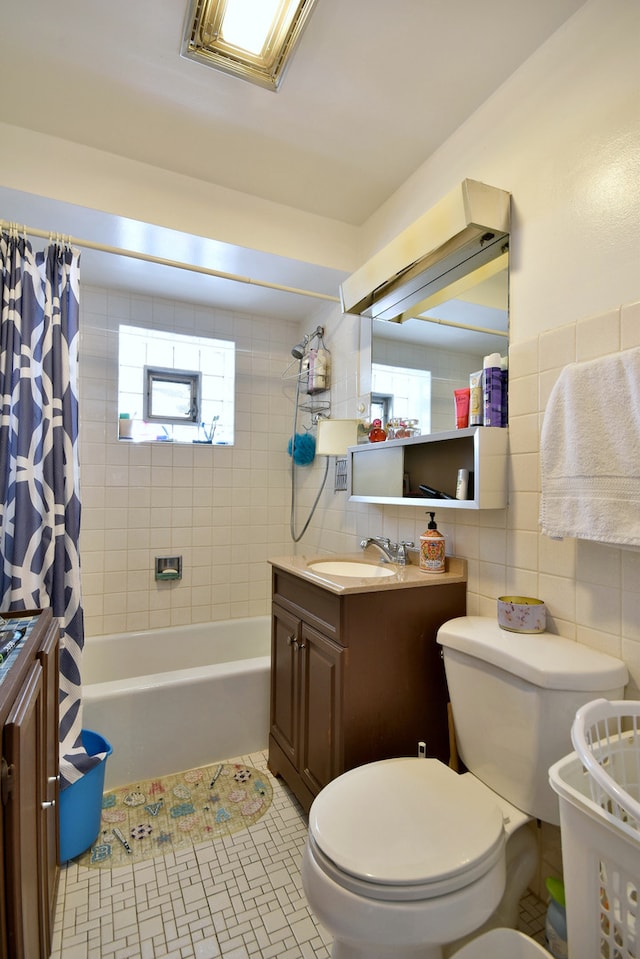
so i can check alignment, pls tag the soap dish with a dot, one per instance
(521, 614)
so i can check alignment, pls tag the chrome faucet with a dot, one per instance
(391, 552)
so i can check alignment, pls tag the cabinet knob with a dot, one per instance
(292, 641)
(48, 804)
(53, 779)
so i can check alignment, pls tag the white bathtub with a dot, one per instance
(177, 698)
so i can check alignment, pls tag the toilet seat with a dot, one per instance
(405, 829)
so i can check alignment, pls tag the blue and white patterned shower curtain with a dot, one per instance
(39, 482)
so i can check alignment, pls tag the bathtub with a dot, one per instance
(177, 698)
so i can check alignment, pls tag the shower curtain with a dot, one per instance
(39, 488)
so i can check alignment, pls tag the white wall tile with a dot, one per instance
(598, 336)
(557, 557)
(598, 607)
(523, 510)
(524, 430)
(522, 550)
(523, 394)
(145, 500)
(630, 326)
(523, 359)
(604, 642)
(557, 347)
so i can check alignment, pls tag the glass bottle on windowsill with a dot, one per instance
(376, 433)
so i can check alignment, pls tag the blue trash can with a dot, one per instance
(80, 804)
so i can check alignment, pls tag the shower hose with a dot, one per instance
(296, 537)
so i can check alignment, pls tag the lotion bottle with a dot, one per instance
(492, 390)
(432, 549)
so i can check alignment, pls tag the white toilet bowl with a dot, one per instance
(503, 944)
(403, 856)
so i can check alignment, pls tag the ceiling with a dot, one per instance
(373, 90)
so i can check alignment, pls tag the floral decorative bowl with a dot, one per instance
(521, 614)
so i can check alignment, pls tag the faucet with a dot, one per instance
(391, 552)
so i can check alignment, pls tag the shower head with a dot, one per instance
(300, 349)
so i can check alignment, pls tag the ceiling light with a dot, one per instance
(252, 39)
(246, 24)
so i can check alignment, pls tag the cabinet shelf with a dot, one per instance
(392, 472)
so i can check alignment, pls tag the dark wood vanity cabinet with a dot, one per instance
(306, 684)
(355, 677)
(29, 808)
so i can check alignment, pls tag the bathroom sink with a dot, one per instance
(350, 568)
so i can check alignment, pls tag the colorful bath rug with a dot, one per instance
(150, 819)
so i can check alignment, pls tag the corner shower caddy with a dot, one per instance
(315, 408)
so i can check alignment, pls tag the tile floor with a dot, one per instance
(237, 898)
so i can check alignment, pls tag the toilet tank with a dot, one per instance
(514, 697)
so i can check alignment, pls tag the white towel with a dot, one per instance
(590, 452)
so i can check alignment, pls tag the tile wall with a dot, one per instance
(592, 591)
(224, 510)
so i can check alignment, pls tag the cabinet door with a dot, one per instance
(320, 709)
(23, 751)
(48, 656)
(285, 685)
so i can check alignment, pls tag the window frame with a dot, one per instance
(190, 378)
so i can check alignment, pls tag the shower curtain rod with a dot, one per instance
(162, 261)
(459, 326)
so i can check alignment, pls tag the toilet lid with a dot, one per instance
(407, 822)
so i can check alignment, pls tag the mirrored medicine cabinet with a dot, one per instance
(438, 349)
(426, 325)
(435, 301)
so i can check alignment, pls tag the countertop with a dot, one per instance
(404, 577)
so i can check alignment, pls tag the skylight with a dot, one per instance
(246, 24)
(252, 39)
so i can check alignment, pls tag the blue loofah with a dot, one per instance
(303, 449)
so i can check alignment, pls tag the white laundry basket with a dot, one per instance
(599, 791)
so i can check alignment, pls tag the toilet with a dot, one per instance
(405, 857)
(502, 944)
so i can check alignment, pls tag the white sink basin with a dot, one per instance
(348, 568)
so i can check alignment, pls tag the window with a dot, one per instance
(381, 407)
(405, 393)
(175, 388)
(171, 396)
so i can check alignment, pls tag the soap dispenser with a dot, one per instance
(432, 549)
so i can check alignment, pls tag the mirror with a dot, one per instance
(447, 341)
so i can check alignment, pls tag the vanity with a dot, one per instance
(356, 674)
(29, 683)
